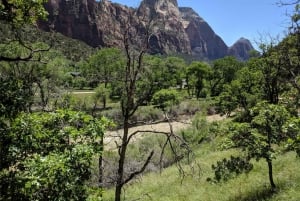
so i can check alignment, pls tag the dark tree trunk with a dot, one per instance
(104, 102)
(122, 153)
(270, 167)
(42, 94)
(268, 158)
(100, 165)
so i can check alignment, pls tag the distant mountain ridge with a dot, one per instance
(178, 30)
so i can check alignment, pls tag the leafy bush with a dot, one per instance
(148, 114)
(201, 130)
(229, 168)
(165, 98)
(48, 155)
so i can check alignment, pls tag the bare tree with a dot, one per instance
(129, 103)
(135, 40)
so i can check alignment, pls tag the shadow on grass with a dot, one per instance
(260, 194)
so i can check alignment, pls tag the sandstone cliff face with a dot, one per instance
(168, 33)
(74, 18)
(240, 49)
(203, 40)
(173, 29)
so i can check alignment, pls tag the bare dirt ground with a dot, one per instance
(215, 117)
(112, 138)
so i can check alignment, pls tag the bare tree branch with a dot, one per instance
(132, 175)
(145, 131)
(285, 3)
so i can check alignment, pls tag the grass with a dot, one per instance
(169, 186)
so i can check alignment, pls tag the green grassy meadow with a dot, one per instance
(170, 186)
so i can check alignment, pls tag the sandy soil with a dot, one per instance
(114, 137)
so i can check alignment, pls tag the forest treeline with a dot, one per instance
(49, 139)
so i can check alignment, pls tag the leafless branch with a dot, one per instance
(145, 131)
(285, 3)
(132, 175)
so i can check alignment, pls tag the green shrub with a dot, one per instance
(165, 98)
(148, 114)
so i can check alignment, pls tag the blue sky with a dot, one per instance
(232, 19)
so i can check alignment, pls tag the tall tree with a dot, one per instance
(138, 85)
(197, 72)
(244, 91)
(104, 66)
(223, 72)
(259, 138)
(130, 101)
(174, 71)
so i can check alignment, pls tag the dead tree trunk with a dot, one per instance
(130, 102)
(122, 156)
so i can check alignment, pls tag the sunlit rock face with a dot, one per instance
(173, 29)
(168, 33)
(203, 40)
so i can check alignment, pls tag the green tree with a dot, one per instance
(243, 92)
(223, 72)
(165, 98)
(227, 101)
(197, 72)
(49, 155)
(22, 12)
(104, 66)
(292, 130)
(259, 138)
(102, 94)
(288, 57)
(15, 96)
(43, 75)
(173, 72)
(17, 15)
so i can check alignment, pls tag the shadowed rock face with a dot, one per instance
(74, 19)
(174, 29)
(240, 49)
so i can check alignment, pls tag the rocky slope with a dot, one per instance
(174, 30)
(203, 40)
(240, 49)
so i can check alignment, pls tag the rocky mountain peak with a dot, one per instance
(188, 13)
(204, 42)
(241, 49)
(160, 2)
(159, 8)
(173, 29)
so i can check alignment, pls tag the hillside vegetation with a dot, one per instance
(78, 123)
(170, 185)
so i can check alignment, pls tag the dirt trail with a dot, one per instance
(113, 137)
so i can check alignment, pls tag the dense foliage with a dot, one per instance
(49, 138)
(264, 94)
(48, 155)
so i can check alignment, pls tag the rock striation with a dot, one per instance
(174, 30)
